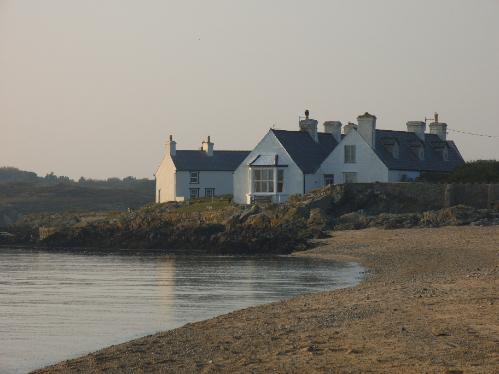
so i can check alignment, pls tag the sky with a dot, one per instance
(94, 87)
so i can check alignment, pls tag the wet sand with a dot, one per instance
(429, 303)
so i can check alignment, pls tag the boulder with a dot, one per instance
(260, 220)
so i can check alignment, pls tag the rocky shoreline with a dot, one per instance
(220, 227)
(429, 304)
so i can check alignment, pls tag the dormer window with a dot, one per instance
(418, 150)
(445, 154)
(392, 147)
(441, 150)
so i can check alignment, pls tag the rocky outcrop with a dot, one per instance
(454, 216)
(221, 227)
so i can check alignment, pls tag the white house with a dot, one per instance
(294, 162)
(366, 154)
(284, 163)
(190, 174)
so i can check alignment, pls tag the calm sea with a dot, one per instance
(55, 306)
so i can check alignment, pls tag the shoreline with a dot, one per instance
(428, 302)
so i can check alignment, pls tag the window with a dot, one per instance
(280, 180)
(263, 180)
(418, 150)
(445, 154)
(159, 195)
(194, 177)
(350, 154)
(392, 148)
(328, 179)
(193, 193)
(209, 192)
(350, 177)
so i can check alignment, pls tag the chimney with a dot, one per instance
(350, 126)
(171, 146)
(309, 125)
(417, 127)
(334, 128)
(367, 128)
(207, 146)
(438, 128)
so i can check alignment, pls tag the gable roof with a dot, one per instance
(408, 160)
(198, 160)
(304, 151)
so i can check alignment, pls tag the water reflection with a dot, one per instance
(55, 306)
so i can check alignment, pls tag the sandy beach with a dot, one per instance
(429, 304)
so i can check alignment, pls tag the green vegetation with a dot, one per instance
(480, 171)
(23, 193)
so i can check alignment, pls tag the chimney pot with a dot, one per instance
(171, 146)
(418, 128)
(440, 129)
(207, 146)
(367, 128)
(334, 128)
(349, 127)
(309, 125)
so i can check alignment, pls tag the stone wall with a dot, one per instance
(376, 198)
(475, 195)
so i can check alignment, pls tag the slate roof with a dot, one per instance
(304, 151)
(267, 160)
(198, 160)
(408, 160)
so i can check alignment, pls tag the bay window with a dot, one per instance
(280, 180)
(263, 180)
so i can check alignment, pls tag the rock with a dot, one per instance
(260, 220)
(254, 209)
(352, 221)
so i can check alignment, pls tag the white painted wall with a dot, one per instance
(221, 181)
(313, 181)
(293, 177)
(368, 166)
(165, 181)
(397, 175)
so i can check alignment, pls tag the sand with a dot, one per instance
(429, 304)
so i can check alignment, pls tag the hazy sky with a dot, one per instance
(94, 87)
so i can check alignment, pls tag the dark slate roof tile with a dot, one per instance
(198, 160)
(304, 151)
(408, 160)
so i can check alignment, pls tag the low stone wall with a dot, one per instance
(475, 195)
(376, 198)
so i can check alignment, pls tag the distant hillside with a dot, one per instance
(23, 193)
(10, 175)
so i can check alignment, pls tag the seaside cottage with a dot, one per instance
(285, 163)
(295, 162)
(366, 154)
(191, 174)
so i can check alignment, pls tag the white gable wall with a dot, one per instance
(368, 166)
(165, 181)
(221, 181)
(269, 145)
(313, 181)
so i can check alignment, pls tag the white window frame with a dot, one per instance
(280, 181)
(265, 182)
(350, 151)
(194, 177)
(330, 178)
(349, 177)
(211, 192)
(196, 195)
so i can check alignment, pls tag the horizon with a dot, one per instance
(94, 90)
